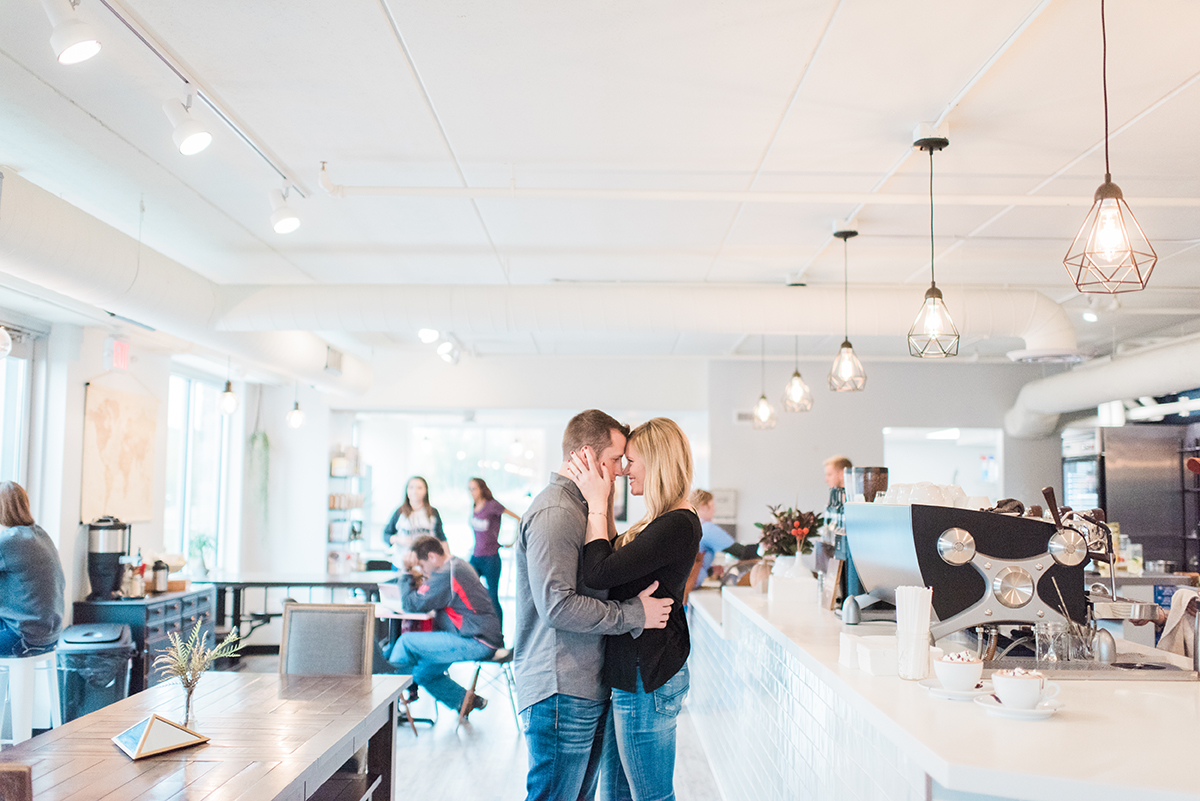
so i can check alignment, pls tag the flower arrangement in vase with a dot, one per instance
(187, 661)
(789, 532)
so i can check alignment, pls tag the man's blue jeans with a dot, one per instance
(427, 655)
(639, 742)
(564, 735)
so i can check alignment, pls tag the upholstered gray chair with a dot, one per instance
(327, 639)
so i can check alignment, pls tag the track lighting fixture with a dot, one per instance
(429, 335)
(189, 134)
(6, 342)
(283, 219)
(73, 39)
(847, 373)
(449, 350)
(1110, 254)
(933, 335)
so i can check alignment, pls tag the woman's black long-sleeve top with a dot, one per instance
(664, 551)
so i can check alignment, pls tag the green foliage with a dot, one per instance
(187, 661)
(789, 531)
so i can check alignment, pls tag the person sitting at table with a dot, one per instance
(31, 579)
(466, 627)
(713, 538)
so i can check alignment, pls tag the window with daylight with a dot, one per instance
(14, 416)
(197, 444)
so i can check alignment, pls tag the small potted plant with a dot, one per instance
(198, 546)
(187, 661)
(787, 534)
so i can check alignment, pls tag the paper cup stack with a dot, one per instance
(913, 605)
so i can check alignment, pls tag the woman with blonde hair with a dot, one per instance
(31, 579)
(648, 675)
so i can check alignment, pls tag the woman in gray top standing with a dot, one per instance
(31, 579)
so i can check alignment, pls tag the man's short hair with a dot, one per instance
(593, 428)
(839, 463)
(700, 497)
(426, 545)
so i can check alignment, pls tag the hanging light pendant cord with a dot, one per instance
(932, 275)
(845, 291)
(762, 363)
(796, 349)
(1104, 83)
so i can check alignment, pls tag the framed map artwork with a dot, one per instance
(119, 432)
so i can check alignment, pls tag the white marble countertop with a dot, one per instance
(1115, 740)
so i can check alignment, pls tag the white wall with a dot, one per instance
(292, 540)
(784, 465)
(75, 356)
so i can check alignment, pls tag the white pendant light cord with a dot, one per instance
(932, 275)
(762, 363)
(796, 349)
(845, 291)
(1104, 84)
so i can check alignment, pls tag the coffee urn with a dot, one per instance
(108, 541)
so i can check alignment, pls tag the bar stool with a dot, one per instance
(502, 657)
(22, 673)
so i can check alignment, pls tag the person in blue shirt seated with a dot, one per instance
(713, 538)
(31, 579)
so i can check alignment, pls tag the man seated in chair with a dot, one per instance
(466, 627)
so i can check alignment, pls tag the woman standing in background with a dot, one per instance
(414, 518)
(31, 579)
(486, 517)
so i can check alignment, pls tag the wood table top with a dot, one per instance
(273, 737)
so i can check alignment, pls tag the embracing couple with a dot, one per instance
(602, 641)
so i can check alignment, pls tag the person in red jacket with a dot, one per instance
(466, 627)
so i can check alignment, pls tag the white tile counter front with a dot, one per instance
(779, 718)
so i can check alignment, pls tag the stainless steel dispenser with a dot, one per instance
(108, 541)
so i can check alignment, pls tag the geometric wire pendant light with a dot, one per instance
(933, 335)
(797, 397)
(1110, 254)
(847, 373)
(764, 414)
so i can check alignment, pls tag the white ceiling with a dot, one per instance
(763, 95)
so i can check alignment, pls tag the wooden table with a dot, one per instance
(273, 737)
(236, 584)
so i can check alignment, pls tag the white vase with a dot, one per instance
(783, 565)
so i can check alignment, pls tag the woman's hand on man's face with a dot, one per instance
(591, 476)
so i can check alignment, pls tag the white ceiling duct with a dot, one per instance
(486, 311)
(1161, 370)
(47, 241)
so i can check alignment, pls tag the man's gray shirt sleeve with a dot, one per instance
(553, 563)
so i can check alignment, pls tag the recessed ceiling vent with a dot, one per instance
(333, 361)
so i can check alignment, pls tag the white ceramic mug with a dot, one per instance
(958, 676)
(1022, 692)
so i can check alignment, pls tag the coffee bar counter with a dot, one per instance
(779, 717)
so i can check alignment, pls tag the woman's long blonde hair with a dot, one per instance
(665, 451)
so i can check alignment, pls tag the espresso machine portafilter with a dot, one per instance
(108, 541)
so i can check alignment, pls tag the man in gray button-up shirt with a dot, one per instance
(561, 625)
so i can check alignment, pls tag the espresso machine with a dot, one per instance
(108, 542)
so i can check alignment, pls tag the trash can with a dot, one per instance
(93, 667)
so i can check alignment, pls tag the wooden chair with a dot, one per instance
(503, 657)
(16, 782)
(330, 640)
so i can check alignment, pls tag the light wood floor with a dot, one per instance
(486, 760)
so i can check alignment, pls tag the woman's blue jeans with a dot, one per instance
(639, 742)
(488, 568)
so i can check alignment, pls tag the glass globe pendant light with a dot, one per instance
(1110, 254)
(295, 418)
(764, 414)
(847, 373)
(228, 402)
(933, 335)
(797, 397)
